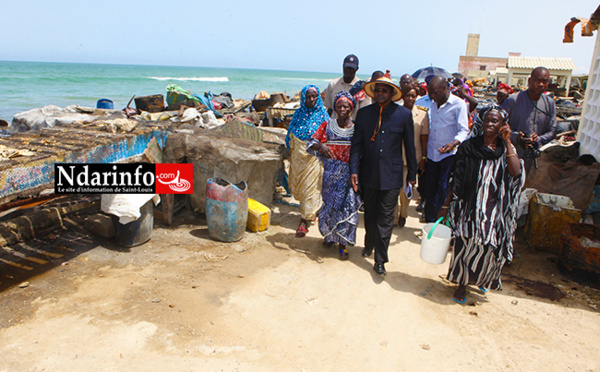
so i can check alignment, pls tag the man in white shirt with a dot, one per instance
(449, 126)
(343, 83)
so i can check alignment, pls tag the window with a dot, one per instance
(482, 67)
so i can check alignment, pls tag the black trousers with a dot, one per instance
(436, 187)
(422, 184)
(379, 220)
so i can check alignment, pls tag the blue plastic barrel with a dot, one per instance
(226, 209)
(105, 104)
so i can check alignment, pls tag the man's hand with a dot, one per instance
(528, 141)
(412, 183)
(354, 182)
(533, 139)
(421, 165)
(449, 147)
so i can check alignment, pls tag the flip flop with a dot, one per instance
(460, 300)
(343, 254)
(464, 299)
(484, 290)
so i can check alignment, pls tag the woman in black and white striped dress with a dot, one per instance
(486, 181)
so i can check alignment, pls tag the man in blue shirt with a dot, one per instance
(381, 130)
(449, 126)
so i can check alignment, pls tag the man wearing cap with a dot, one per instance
(381, 130)
(426, 101)
(343, 83)
(448, 127)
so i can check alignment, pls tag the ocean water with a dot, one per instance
(27, 85)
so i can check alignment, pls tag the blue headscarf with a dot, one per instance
(306, 121)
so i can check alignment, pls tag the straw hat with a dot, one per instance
(385, 79)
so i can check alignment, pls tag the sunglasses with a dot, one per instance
(382, 90)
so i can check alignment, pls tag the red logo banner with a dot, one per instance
(174, 178)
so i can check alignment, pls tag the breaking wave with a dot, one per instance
(212, 79)
(305, 79)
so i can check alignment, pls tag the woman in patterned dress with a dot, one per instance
(486, 179)
(338, 217)
(305, 170)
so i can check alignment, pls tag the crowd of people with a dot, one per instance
(367, 143)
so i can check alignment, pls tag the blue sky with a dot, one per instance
(304, 35)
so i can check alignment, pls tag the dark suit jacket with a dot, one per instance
(379, 163)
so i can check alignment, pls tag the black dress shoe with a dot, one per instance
(379, 269)
(366, 252)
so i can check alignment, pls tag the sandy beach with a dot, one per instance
(275, 302)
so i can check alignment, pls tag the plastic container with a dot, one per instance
(226, 209)
(136, 232)
(105, 104)
(259, 216)
(435, 242)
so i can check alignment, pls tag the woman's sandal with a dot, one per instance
(460, 300)
(482, 289)
(343, 253)
(301, 231)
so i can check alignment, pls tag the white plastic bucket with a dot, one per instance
(434, 246)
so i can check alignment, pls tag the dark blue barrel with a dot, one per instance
(105, 104)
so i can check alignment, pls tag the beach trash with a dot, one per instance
(155, 103)
(136, 232)
(548, 216)
(261, 105)
(279, 98)
(435, 242)
(259, 216)
(132, 216)
(580, 251)
(226, 209)
(105, 104)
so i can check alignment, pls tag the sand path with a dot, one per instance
(275, 302)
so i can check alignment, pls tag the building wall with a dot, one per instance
(520, 76)
(466, 63)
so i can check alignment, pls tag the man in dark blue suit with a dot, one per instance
(381, 130)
